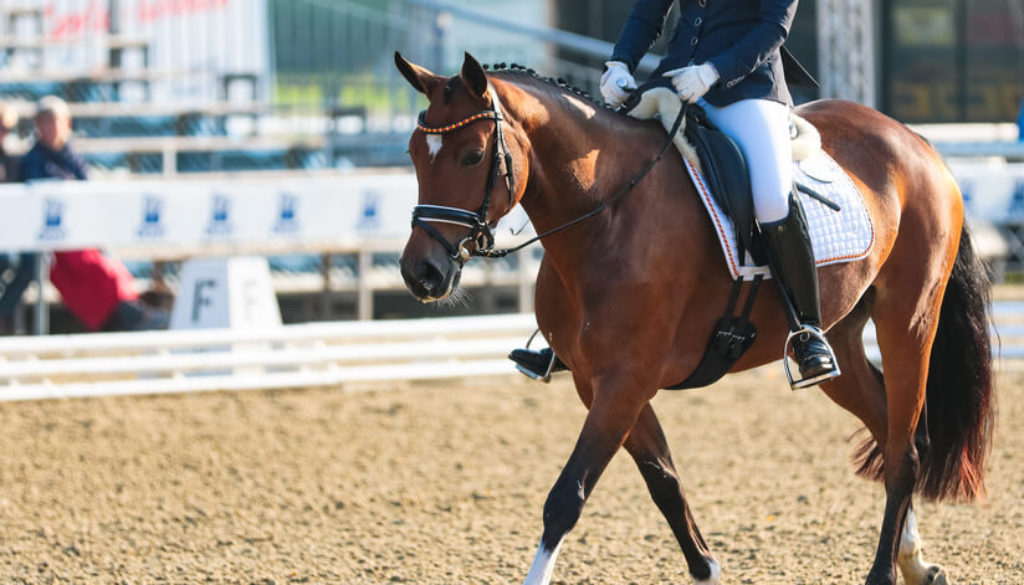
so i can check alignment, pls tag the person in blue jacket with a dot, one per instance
(727, 56)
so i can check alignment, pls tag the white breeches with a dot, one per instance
(761, 128)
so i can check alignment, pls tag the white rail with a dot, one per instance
(324, 354)
(295, 356)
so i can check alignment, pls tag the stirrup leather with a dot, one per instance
(806, 382)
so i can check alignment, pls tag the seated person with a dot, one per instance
(97, 289)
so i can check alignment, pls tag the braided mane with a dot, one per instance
(557, 83)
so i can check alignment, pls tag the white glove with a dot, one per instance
(614, 83)
(693, 82)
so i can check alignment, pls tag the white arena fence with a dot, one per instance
(296, 356)
(319, 354)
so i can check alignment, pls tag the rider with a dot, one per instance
(727, 57)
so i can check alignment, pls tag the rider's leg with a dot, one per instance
(761, 128)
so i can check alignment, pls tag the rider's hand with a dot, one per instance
(615, 82)
(693, 82)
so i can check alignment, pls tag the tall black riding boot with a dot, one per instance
(791, 259)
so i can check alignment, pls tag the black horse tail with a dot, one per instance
(955, 430)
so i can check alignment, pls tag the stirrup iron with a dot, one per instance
(546, 377)
(807, 382)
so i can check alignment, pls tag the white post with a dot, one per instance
(526, 275)
(846, 49)
(364, 290)
(41, 322)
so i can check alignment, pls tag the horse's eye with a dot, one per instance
(473, 158)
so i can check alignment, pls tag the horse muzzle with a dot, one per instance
(430, 279)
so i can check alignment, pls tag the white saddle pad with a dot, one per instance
(836, 237)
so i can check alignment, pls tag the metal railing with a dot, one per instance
(354, 74)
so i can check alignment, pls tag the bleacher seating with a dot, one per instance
(121, 126)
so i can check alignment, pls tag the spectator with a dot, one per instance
(22, 273)
(95, 288)
(8, 163)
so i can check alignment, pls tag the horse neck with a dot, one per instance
(580, 155)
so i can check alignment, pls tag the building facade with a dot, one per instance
(929, 60)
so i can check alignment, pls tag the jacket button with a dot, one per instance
(693, 42)
(698, 22)
(702, 3)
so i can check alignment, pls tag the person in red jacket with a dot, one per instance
(97, 289)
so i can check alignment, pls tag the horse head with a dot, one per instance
(463, 151)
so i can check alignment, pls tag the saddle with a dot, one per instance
(725, 169)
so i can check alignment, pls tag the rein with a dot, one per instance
(622, 192)
(480, 230)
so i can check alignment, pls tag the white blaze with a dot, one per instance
(434, 144)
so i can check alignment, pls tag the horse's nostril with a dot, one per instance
(430, 275)
(427, 278)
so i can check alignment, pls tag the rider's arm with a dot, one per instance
(643, 26)
(757, 45)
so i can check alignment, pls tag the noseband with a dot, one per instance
(480, 230)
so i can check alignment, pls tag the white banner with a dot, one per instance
(993, 191)
(337, 213)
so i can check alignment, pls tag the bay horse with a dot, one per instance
(628, 297)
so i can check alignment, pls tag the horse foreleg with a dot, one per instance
(911, 561)
(647, 445)
(612, 414)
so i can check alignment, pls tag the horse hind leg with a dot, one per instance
(647, 445)
(861, 390)
(915, 570)
(906, 319)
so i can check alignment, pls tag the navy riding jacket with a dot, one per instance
(741, 38)
(42, 163)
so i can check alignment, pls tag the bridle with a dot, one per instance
(480, 230)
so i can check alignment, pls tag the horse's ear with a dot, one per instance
(473, 76)
(422, 80)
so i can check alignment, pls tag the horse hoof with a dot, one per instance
(937, 576)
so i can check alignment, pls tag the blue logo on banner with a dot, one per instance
(1017, 202)
(369, 219)
(53, 220)
(152, 209)
(287, 214)
(220, 216)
